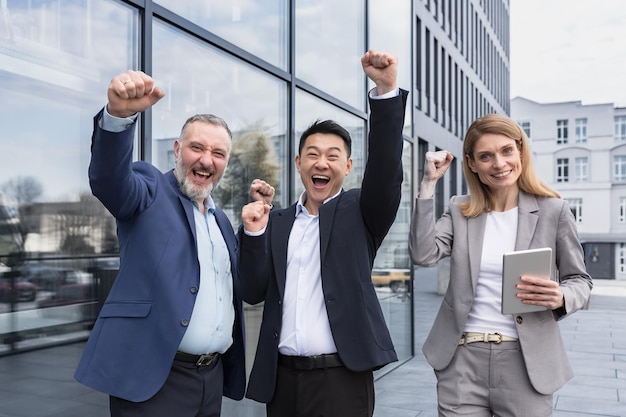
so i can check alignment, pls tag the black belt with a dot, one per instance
(307, 363)
(199, 360)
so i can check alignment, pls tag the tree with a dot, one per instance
(252, 156)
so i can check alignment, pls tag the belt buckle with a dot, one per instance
(206, 360)
(499, 340)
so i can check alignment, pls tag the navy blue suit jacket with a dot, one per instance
(133, 343)
(352, 227)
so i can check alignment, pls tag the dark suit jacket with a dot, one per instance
(542, 222)
(132, 346)
(352, 228)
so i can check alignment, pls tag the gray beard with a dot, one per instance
(187, 188)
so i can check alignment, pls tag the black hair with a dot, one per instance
(326, 127)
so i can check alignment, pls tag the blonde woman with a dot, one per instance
(488, 363)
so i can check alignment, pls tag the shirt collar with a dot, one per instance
(300, 204)
(209, 205)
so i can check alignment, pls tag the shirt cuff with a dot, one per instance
(259, 233)
(116, 124)
(374, 94)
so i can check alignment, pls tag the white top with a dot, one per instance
(485, 315)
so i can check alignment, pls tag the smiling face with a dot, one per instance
(323, 163)
(201, 157)
(497, 162)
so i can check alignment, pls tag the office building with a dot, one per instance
(269, 68)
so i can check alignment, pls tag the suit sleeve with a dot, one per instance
(575, 282)
(123, 188)
(382, 181)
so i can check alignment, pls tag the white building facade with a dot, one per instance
(580, 150)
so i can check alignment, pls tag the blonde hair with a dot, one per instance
(481, 198)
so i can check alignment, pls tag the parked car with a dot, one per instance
(396, 279)
(75, 302)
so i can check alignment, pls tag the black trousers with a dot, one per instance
(189, 391)
(329, 392)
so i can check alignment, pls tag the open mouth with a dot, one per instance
(203, 175)
(320, 181)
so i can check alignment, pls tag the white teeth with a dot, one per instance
(503, 174)
(321, 177)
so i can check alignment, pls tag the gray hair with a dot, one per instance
(206, 118)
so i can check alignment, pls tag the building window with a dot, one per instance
(620, 128)
(576, 206)
(562, 170)
(581, 167)
(619, 168)
(581, 130)
(526, 128)
(622, 210)
(622, 257)
(561, 131)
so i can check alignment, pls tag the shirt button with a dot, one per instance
(184, 322)
(519, 319)
(193, 290)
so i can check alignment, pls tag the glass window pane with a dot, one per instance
(394, 38)
(200, 79)
(330, 40)
(393, 259)
(56, 61)
(258, 26)
(308, 110)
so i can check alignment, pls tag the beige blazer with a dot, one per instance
(542, 222)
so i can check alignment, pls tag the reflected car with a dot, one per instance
(19, 290)
(77, 302)
(396, 279)
(51, 279)
(15, 290)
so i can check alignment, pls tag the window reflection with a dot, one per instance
(392, 268)
(199, 79)
(330, 40)
(56, 61)
(258, 26)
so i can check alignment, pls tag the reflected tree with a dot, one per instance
(252, 156)
(23, 189)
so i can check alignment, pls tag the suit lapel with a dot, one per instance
(475, 236)
(282, 223)
(326, 220)
(527, 220)
(186, 204)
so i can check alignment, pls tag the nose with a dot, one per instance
(321, 163)
(498, 160)
(206, 159)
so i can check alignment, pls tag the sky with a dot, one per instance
(569, 50)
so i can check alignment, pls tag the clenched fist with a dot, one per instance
(132, 92)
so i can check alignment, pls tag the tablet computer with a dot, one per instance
(535, 262)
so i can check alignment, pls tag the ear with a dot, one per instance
(349, 166)
(176, 147)
(298, 162)
(470, 163)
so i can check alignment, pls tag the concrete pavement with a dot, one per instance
(40, 383)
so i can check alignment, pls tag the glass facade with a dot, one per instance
(268, 68)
